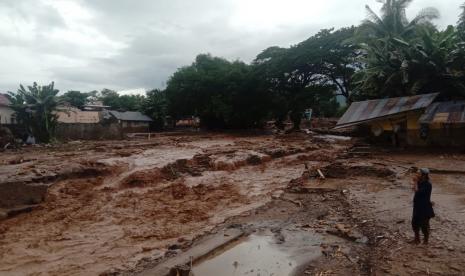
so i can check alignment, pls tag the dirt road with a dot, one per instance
(122, 207)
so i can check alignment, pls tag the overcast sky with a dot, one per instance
(127, 44)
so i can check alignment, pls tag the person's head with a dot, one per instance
(423, 174)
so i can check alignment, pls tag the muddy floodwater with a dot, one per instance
(125, 207)
(111, 205)
(260, 254)
(251, 256)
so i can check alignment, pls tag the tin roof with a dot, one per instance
(130, 116)
(361, 112)
(4, 101)
(445, 113)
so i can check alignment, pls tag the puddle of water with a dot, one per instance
(254, 255)
(333, 137)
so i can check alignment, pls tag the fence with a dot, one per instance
(89, 132)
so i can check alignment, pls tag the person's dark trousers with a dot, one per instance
(423, 225)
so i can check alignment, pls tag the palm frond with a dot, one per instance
(426, 15)
(404, 3)
(372, 16)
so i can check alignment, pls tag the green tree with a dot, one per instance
(223, 94)
(461, 24)
(35, 107)
(75, 98)
(297, 76)
(333, 55)
(432, 64)
(393, 22)
(110, 98)
(156, 107)
(124, 102)
(322, 100)
(405, 57)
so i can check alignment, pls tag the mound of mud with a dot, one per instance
(17, 194)
(318, 155)
(237, 159)
(182, 166)
(144, 178)
(342, 170)
(170, 172)
(172, 208)
(34, 190)
(282, 151)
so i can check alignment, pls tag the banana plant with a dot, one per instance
(35, 108)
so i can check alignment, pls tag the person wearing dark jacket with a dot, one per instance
(422, 206)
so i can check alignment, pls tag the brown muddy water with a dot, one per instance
(261, 254)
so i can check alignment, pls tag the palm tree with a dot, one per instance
(461, 23)
(387, 42)
(35, 108)
(432, 62)
(436, 63)
(393, 22)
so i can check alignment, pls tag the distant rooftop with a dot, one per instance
(4, 101)
(96, 104)
(130, 116)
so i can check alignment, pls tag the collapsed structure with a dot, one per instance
(415, 120)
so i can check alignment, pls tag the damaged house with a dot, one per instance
(129, 121)
(415, 120)
(95, 122)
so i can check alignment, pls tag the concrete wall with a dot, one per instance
(6, 114)
(75, 116)
(89, 132)
(130, 126)
(446, 136)
(438, 134)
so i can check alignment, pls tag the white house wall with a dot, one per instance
(6, 114)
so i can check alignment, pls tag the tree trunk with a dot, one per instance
(279, 123)
(296, 118)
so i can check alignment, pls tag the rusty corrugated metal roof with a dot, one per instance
(360, 112)
(445, 113)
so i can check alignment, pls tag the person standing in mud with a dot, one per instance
(422, 206)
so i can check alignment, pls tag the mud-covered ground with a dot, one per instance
(379, 199)
(122, 207)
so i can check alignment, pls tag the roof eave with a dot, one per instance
(375, 119)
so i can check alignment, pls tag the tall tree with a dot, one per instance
(156, 107)
(110, 98)
(223, 94)
(461, 23)
(396, 55)
(393, 22)
(335, 55)
(121, 102)
(131, 102)
(75, 98)
(324, 63)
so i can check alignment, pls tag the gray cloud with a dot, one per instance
(123, 44)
